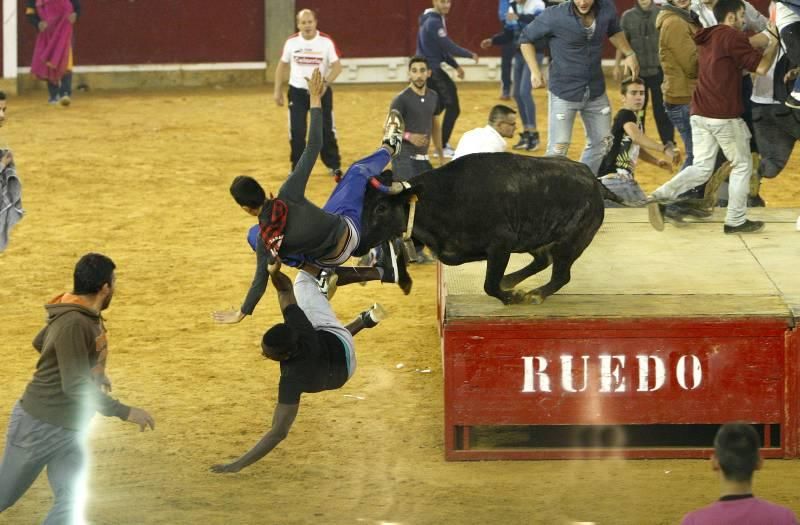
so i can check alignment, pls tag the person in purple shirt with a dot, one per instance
(434, 44)
(736, 458)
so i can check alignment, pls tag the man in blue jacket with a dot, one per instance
(434, 44)
(575, 31)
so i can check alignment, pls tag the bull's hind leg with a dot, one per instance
(496, 264)
(541, 260)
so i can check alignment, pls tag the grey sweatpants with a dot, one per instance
(32, 445)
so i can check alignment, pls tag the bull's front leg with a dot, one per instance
(496, 264)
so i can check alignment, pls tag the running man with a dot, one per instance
(315, 351)
(295, 229)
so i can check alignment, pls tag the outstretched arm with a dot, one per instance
(282, 420)
(295, 186)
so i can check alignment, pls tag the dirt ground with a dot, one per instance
(143, 178)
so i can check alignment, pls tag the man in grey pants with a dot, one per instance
(48, 425)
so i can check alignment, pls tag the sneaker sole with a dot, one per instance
(655, 216)
(393, 257)
(759, 230)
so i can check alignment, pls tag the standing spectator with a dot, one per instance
(723, 53)
(508, 49)
(302, 53)
(523, 11)
(677, 51)
(575, 30)
(49, 425)
(52, 53)
(736, 458)
(419, 106)
(10, 187)
(639, 26)
(434, 44)
(492, 137)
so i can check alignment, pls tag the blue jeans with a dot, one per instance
(596, 116)
(522, 90)
(679, 116)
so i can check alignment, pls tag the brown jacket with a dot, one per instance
(65, 390)
(677, 53)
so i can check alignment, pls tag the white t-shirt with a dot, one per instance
(304, 55)
(480, 140)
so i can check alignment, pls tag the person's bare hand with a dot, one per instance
(137, 416)
(42, 25)
(227, 316)
(73, 17)
(475, 57)
(664, 165)
(486, 43)
(537, 79)
(316, 86)
(7, 159)
(275, 267)
(632, 65)
(278, 96)
(418, 139)
(460, 73)
(791, 74)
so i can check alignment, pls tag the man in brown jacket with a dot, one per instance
(48, 425)
(678, 55)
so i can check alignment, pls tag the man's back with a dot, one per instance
(723, 53)
(735, 510)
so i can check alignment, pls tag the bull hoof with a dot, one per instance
(534, 297)
(405, 284)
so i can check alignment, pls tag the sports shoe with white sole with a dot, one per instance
(393, 131)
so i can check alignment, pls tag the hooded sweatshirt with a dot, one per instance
(723, 54)
(433, 42)
(64, 390)
(677, 53)
(639, 26)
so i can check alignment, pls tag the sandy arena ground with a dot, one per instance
(143, 177)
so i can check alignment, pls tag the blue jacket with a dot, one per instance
(575, 62)
(434, 44)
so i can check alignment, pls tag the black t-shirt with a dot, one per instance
(623, 154)
(320, 363)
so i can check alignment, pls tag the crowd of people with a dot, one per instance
(691, 60)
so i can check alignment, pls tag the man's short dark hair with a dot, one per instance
(2, 95)
(417, 59)
(623, 87)
(724, 7)
(91, 273)
(736, 449)
(500, 112)
(279, 342)
(248, 192)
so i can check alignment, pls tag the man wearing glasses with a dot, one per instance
(490, 138)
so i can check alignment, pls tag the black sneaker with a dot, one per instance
(533, 140)
(793, 101)
(655, 212)
(747, 226)
(755, 202)
(388, 262)
(523, 141)
(393, 131)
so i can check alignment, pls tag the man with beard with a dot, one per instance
(48, 426)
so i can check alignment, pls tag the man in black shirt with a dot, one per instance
(630, 144)
(315, 351)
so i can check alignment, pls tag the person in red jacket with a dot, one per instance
(724, 52)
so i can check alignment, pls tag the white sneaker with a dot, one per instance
(448, 152)
(393, 131)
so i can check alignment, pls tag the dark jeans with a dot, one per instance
(679, 116)
(404, 167)
(448, 100)
(299, 104)
(777, 129)
(791, 38)
(62, 89)
(506, 58)
(652, 84)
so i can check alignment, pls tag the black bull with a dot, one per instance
(487, 206)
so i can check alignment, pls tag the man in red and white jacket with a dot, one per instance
(302, 53)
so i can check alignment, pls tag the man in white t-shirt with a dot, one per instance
(302, 52)
(492, 137)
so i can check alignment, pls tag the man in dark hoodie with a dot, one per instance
(639, 25)
(434, 44)
(48, 425)
(723, 53)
